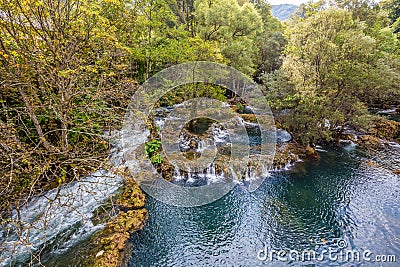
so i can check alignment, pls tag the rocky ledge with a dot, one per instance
(111, 243)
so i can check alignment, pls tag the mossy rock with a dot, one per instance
(111, 251)
(388, 129)
(249, 117)
(286, 154)
(192, 155)
(111, 243)
(133, 197)
(367, 140)
(310, 150)
(128, 222)
(166, 169)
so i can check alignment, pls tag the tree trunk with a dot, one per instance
(34, 120)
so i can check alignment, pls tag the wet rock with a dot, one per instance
(370, 163)
(111, 242)
(310, 150)
(199, 126)
(283, 136)
(192, 154)
(219, 167)
(193, 144)
(224, 150)
(348, 145)
(166, 169)
(132, 197)
(373, 131)
(345, 139)
(115, 235)
(285, 154)
(388, 129)
(368, 140)
(249, 118)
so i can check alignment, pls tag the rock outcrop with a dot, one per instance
(111, 242)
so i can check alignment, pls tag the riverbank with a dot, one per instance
(109, 246)
(287, 154)
(111, 242)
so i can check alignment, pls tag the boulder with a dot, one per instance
(388, 129)
(283, 136)
(368, 140)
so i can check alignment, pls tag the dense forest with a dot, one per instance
(69, 67)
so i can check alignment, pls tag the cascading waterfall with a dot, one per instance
(62, 216)
(218, 136)
(66, 211)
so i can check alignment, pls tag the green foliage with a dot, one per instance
(152, 146)
(279, 91)
(156, 159)
(151, 149)
(234, 25)
(331, 72)
(271, 46)
(309, 9)
(65, 80)
(189, 91)
(240, 107)
(393, 9)
(157, 39)
(270, 43)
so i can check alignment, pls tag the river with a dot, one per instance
(340, 210)
(343, 202)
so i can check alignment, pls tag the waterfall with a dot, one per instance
(62, 214)
(195, 143)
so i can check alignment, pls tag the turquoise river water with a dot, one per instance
(341, 210)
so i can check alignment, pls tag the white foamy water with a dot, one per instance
(44, 217)
(63, 213)
(62, 217)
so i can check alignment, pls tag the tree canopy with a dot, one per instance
(69, 67)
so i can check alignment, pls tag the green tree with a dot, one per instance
(234, 25)
(393, 8)
(336, 70)
(64, 80)
(161, 34)
(270, 43)
(366, 11)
